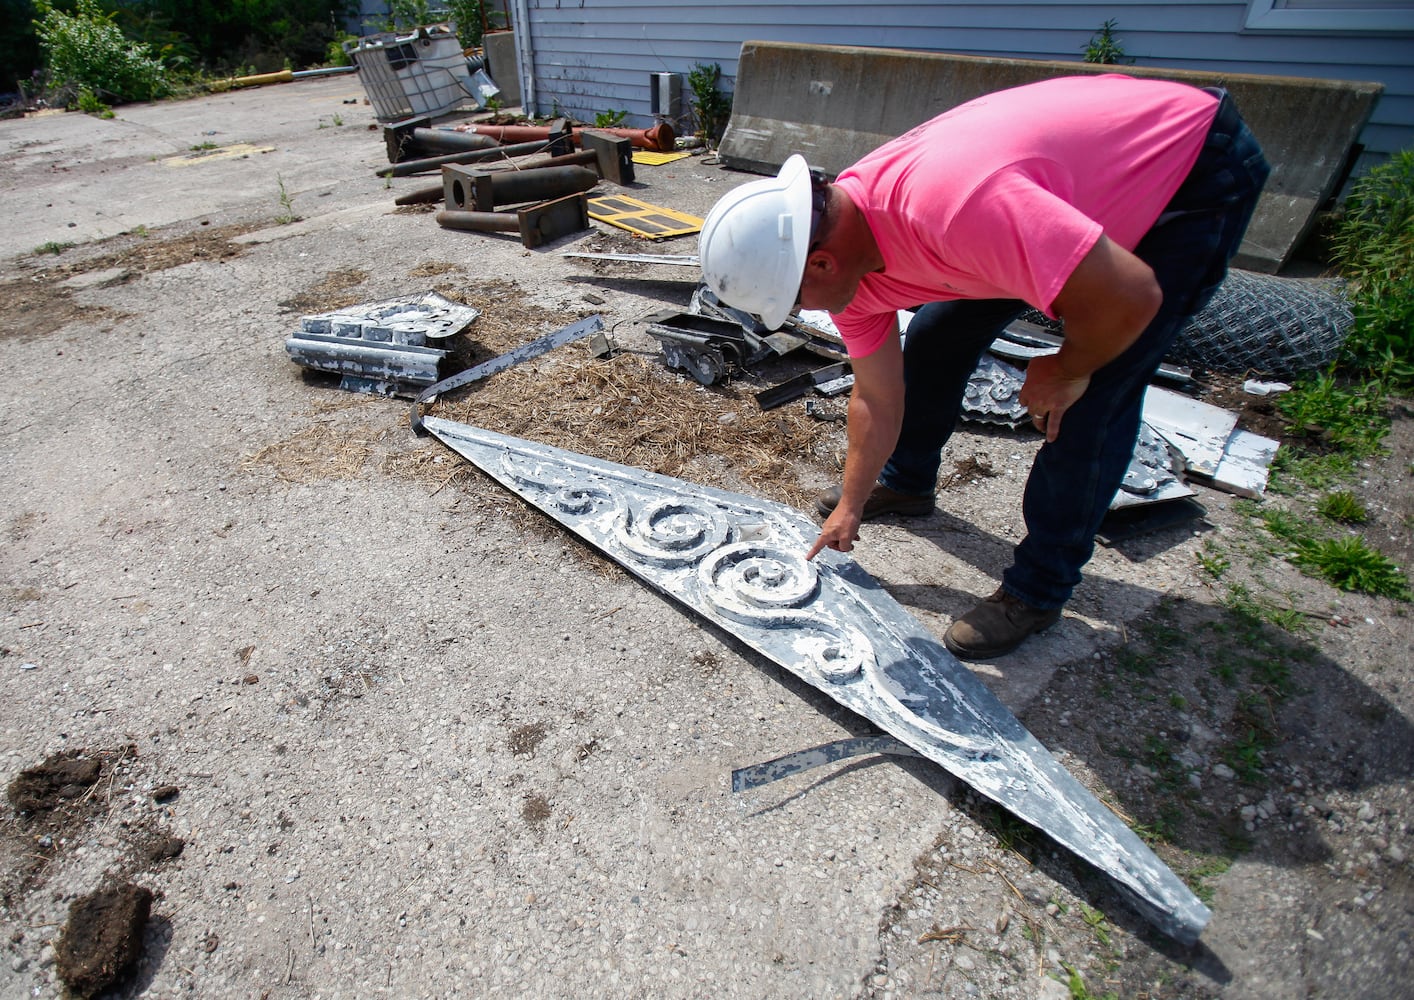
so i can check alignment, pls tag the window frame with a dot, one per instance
(1274, 15)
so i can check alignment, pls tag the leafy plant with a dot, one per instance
(87, 51)
(610, 118)
(1352, 418)
(1104, 47)
(407, 14)
(1373, 246)
(89, 104)
(287, 210)
(467, 16)
(1215, 564)
(1076, 984)
(710, 107)
(1342, 506)
(1096, 920)
(1350, 564)
(335, 54)
(53, 247)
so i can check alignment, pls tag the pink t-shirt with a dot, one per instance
(1003, 196)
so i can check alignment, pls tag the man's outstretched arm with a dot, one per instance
(875, 416)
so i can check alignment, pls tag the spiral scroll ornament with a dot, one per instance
(758, 584)
(672, 532)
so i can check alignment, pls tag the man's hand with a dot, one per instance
(1049, 392)
(1106, 303)
(875, 416)
(839, 532)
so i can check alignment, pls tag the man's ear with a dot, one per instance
(821, 263)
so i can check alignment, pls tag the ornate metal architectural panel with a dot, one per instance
(739, 562)
(381, 347)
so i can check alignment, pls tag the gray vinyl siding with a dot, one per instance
(592, 56)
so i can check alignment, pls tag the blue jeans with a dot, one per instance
(1075, 477)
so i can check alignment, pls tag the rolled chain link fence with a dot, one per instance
(1262, 325)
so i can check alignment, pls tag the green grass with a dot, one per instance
(54, 247)
(1346, 562)
(1349, 417)
(1076, 984)
(1351, 565)
(1373, 246)
(1342, 506)
(1210, 867)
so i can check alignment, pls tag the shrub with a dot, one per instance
(710, 106)
(1104, 48)
(1373, 246)
(87, 52)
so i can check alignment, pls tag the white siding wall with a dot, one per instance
(591, 56)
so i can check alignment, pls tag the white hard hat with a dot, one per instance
(755, 240)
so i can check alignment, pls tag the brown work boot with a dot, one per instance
(997, 626)
(882, 500)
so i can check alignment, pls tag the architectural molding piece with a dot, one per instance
(740, 563)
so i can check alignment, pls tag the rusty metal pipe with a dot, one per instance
(470, 156)
(422, 196)
(660, 137)
(479, 222)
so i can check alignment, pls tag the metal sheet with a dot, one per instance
(1198, 430)
(738, 561)
(746, 778)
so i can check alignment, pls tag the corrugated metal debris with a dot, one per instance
(738, 561)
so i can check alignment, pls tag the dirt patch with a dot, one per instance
(634, 411)
(536, 811)
(525, 740)
(432, 269)
(319, 452)
(53, 801)
(1258, 414)
(37, 303)
(102, 940)
(328, 295)
(60, 804)
(57, 782)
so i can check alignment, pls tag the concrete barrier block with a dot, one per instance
(835, 103)
(503, 64)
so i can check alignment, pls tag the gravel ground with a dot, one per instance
(365, 726)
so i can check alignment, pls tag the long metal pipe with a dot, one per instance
(480, 222)
(660, 137)
(422, 196)
(470, 156)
